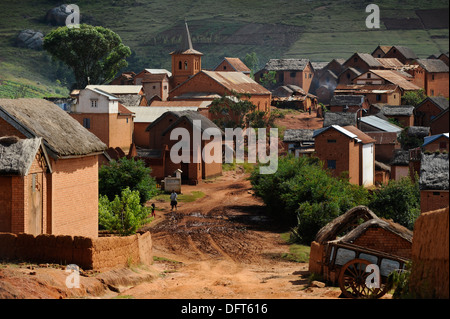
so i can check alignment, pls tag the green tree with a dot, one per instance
(118, 175)
(399, 201)
(251, 60)
(230, 111)
(124, 214)
(305, 196)
(95, 54)
(413, 98)
(268, 80)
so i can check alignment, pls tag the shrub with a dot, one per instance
(399, 201)
(124, 214)
(118, 175)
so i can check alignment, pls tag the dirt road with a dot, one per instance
(223, 246)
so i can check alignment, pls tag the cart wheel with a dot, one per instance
(352, 281)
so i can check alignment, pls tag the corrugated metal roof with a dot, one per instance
(381, 124)
(430, 139)
(146, 114)
(396, 78)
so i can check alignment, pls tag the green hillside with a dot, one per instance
(316, 29)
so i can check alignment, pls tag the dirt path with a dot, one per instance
(222, 246)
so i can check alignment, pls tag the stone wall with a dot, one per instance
(99, 254)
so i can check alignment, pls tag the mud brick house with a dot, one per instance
(299, 142)
(349, 103)
(209, 85)
(402, 114)
(58, 194)
(432, 76)
(372, 233)
(144, 116)
(234, 65)
(436, 143)
(374, 93)
(325, 81)
(102, 114)
(298, 72)
(429, 109)
(383, 77)
(347, 149)
(444, 58)
(440, 124)
(347, 76)
(128, 95)
(137, 79)
(385, 135)
(362, 62)
(292, 96)
(161, 144)
(404, 54)
(380, 51)
(400, 164)
(434, 181)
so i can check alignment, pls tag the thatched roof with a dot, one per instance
(347, 100)
(434, 172)
(62, 135)
(331, 230)
(400, 158)
(339, 118)
(286, 64)
(17, 155)
(418, 131)
(433, 65)
(298, 135)
(397, 110)
(388, 225)
(349, 219)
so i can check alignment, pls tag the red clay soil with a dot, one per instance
(219, 246)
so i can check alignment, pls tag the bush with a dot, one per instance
(399, 201)
(124, 214)
(305, 196)
(118, 175)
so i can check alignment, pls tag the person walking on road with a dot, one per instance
(173, 200)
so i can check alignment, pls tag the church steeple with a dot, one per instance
(186, 61)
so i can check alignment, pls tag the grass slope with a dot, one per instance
(319, 30)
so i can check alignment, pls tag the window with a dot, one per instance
(331, 164)
(154, 87)
(180, 65)
(185, 65)
(432, 77)
(369, 75)
(443, 145)
(94, 103)
(355, 59)
(310, 75)
(165, 87)
(293, 74)
(87, 123)
(348, 76)
(306, 75)
(331, 141)
(224, 67)
(379, 97)
(432, 92)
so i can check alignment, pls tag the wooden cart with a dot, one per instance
(349, 262)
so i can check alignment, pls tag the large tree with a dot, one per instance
(94, 53)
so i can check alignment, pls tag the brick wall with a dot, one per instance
(437, 84)
(430, 255)
(424, 113)
(436, 145)
(385, 241)
(74, 196)
(431, 200)
(99, 124)
(100, 254)
(8, 130)
(5, 203)
(440, 125)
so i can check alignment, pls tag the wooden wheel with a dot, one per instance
(352, 281)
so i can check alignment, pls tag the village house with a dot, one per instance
(385, 135)
(362, 62)
(347, 149)
(51, 172)
(234, 65)
(429, 109)
(156, 87)
(349, 103)
(383, 77)
(400, 164)
(128, 95)
(380, 51)
(298, 72)
(444, 57)
(404, 54)
(299, 142)
(292, 96)
(434, 182)
(374, 93)
(144, 116)
(401, 114)
(160, 145)
(102, 114)
(326, 80)
(436, 143)
(432, 76)
(440, 124)
(347, 76)
(137, 79)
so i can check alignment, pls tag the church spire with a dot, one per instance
(186, 46)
